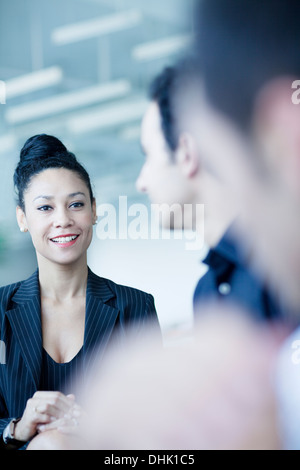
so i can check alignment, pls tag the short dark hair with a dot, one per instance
(42, 152)
(160, 91)
(243, 44)
(164, 90)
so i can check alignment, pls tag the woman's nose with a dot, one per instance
(62, 219)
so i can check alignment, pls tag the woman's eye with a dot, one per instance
(76, 205)
(44, 208)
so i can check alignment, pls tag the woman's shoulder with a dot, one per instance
(9, 289)
(6, 294)
(115, 287)
(133, 303)
(18, 290)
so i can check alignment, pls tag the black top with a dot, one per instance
(230, 279)
(60, 377)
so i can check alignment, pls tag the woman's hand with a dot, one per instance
(68, 424)
(42, 409)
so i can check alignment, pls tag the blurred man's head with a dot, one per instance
(249, 126)
(242, 47)
(172, 175)
(166, 176)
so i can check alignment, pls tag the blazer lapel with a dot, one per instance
(100, 317)
(25, 321)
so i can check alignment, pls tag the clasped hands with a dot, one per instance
(48, 411)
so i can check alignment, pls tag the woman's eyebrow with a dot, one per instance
(48, 198)
(43, 197)
(78, 193)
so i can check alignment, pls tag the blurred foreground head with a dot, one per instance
(212, 392)
(248, 122)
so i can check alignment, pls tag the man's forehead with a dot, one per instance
(151, 124)
(152, 116)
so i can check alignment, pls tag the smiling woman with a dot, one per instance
(59, 212)
(63, 317)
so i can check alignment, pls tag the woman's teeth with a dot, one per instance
(64, 239)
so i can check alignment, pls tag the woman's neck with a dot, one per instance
(62, 282)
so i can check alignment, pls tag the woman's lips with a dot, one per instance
(65, 240)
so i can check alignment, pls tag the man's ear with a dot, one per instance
(21, 219)
(187, 155)
(277, 130)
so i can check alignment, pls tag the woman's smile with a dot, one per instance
(65, 241)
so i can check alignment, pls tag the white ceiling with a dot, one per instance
(103, 134)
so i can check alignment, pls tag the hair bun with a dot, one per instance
(42, 146)
(42, 152)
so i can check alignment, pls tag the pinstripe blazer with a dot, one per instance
(109, 308)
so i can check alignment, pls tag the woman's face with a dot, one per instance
(59, 216)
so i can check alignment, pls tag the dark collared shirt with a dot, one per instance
(229, 279)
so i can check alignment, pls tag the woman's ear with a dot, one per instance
(187, 155)
(21, 219)
(277, 130)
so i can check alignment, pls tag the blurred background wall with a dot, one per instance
(79, 70)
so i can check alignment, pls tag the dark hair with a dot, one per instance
(163, 91)
(160, 91)
(243, 44)
(42, 152)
